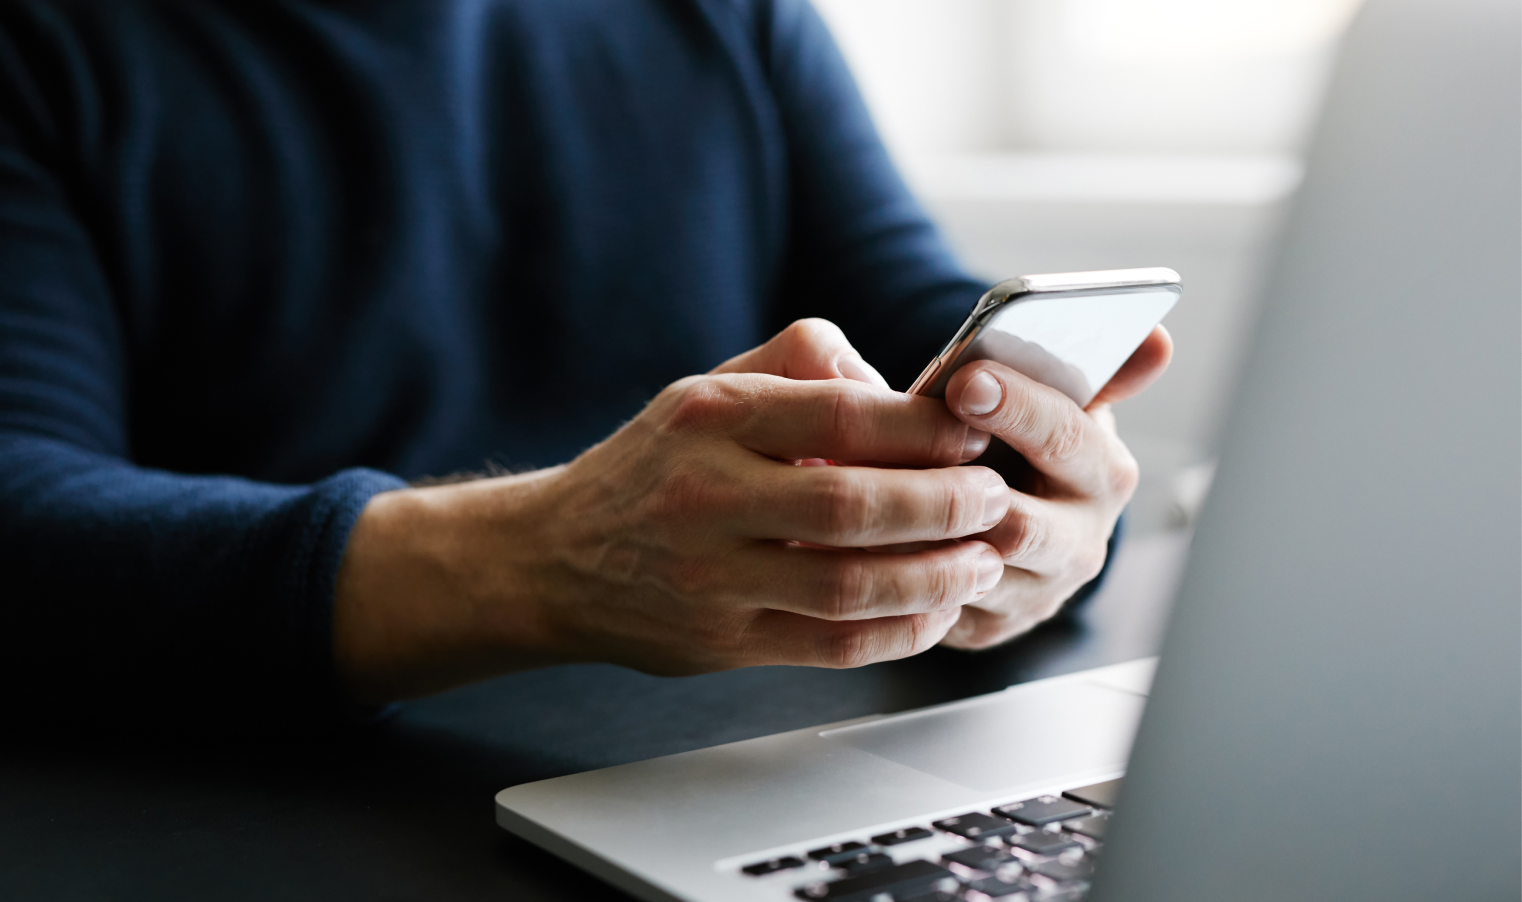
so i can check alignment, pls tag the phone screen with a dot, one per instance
(1072, 341)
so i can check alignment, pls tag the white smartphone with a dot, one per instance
(1071, 331)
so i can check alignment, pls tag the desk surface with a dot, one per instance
(404, 811)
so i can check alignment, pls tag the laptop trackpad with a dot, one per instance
(1014, 738)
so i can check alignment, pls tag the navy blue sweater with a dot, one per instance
(261, 260)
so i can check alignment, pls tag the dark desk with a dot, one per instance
(404, 811)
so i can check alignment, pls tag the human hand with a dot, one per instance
(687, 541)
(1066, 494)
(817, 349)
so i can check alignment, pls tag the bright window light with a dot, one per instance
(1187, 32)
(1083, 76)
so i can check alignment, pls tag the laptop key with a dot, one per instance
(907, 834)
(839, 851)
(1042, 843)
(1100, 795)
(995, 888)
(1043, 810)
(979, 858)
(1092, 827)
(976, 827)
(772, 866)
(1064, 872)
(896, 880)
(930, 895)
(862, 862)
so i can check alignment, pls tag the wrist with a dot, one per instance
(442, 586)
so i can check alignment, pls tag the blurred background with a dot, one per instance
(1061, 135)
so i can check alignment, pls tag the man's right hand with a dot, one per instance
(689, 540)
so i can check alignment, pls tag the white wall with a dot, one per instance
(1091, 75)
(1061, 135)
(1171, 75)
(929, 69)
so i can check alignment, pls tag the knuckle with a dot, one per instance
(919, 633)
(681, 492)
(945, 441)
(1047, 609)
(1090, 560)
(977, 629)
(1125, 473)
(1064, 440)
(1025, 538)
(849, 648)
(949, 442)
(813, 331)
(1046, 427)
(843, 505)
(847, 590)
(702, 403)
(988, 634)
(848, 414)
(973, 637)
(691, 577)
(928, 630)
(725, 639)
(688, 496)
(995, 629)
(947, 585)
(1018, 415)
(963, 501)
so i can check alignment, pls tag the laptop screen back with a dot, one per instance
(1336, 714)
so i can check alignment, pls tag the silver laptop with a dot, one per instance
(1337, 712)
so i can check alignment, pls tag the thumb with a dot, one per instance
(807, 349)
(1146, 364)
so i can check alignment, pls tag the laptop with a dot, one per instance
(1338, 709)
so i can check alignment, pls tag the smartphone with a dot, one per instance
(1071, 331)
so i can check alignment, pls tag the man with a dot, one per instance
(263, 262)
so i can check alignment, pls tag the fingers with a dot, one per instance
(859, 585)
(1143, 368)
(836, 419)
(806, 350)
(1048, 538)
(1024, 605)
(1022, 601)
(1063, 442)
(853, 507)
(783, 637)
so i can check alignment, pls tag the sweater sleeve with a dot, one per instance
(862, 251)
(122, 588)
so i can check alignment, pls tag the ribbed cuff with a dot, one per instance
(335, 506)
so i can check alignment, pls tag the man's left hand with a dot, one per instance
(1065, 496)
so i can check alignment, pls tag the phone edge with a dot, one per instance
(1011, 290)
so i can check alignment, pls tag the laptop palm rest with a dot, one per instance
(991, 742)
(681, 826)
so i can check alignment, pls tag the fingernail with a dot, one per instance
(853, 367)
(976, 444)
(990, 571)
(995, 505)
(981, 395)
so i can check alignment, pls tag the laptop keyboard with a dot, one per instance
(1042, 849)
